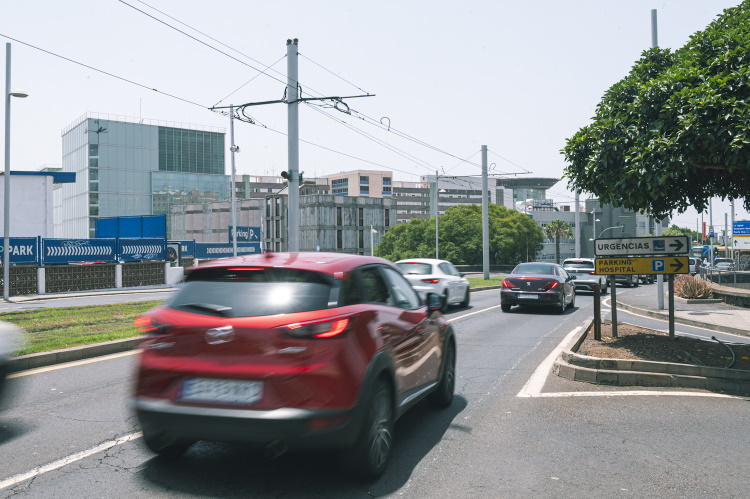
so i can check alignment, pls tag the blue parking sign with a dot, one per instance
(657, 265)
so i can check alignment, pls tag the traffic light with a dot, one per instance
(285, 175)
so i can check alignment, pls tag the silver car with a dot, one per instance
(585, 277)
(428, 275)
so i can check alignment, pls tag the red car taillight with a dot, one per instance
(328, 328)
(147, 325)
(431, 281)
(551, 285)
(508, 284)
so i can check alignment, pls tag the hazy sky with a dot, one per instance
(448, 77)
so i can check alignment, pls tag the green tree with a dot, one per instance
(681, 231)
(674, 132)
(511, 235)
(558, 229)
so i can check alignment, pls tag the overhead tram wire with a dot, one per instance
(103, 72)
(334, 74)
(401, 153)
(250, 80)
(215, 40)
(365, 118)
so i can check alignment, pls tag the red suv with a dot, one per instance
(292, 350)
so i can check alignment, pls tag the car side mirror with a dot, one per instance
(434, 302)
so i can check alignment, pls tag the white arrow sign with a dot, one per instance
(666, 245)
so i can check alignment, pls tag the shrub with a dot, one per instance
(692, 287)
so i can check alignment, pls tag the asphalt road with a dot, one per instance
(513, 431)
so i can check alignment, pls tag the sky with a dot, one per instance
(444, 78)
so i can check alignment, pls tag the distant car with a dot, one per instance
(300, 350)
(538, 284)
(627, 280)
(724, 266)
(694, 265)
(428, 275)
(647, 278)
(584, 270)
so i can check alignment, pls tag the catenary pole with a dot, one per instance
(292, 96)
(232, 150)
(485, 218)
(657, 223)
(578, 227)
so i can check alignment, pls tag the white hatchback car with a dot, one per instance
(428, 275)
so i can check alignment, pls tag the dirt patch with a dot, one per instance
(639, 343)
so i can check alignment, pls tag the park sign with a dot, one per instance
(664, 245)
(643, 265)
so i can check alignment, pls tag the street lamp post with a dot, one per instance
(6, 181)
(437, 215)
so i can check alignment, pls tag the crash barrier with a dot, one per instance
(32, 280)
(500, 269)
(727, 278)
(46, 251)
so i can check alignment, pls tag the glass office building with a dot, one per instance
(131, 166)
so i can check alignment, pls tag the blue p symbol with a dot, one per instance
(657, 265)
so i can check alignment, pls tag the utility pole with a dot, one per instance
(292, 101)
(657, 223)
(233, 149)
(292, 95)
(577, 234)
(485, 218)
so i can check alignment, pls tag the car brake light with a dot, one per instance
(508, 284)
(148, 326)
(431, 281)
(550, 285)
(592, 272)
(328, 328)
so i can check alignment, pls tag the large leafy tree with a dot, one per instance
(681, 231)
(558, 229)
(674, 132)
(511, 236)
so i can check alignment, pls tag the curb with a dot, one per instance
(108, 291)
(44, 359)
(621, 372)
(686, 322)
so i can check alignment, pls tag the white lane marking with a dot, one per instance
(471, 313)
(536, 382)
(40, 470)
(73, 364)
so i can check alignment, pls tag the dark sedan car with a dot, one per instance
(538, 283)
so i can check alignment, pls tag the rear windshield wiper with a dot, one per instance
(209, 307)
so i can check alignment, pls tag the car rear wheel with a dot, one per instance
(445, 302)
(443, 396)
(166, 445)
(505, 307)
(467, 298)
(573, 301)
(561, 306)
(604, 289)
(369, 456)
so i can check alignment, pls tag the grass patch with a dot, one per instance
(55, 328)
(479, 282)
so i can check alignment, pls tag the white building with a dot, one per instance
(31, 202)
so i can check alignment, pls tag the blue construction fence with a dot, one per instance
(46, 251)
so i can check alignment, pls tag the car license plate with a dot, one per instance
(225, 391)
(528, 297)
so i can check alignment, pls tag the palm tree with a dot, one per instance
(556, 230)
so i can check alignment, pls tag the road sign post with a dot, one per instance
(620, 256)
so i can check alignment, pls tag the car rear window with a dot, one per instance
(418, 268)
(254, 291)
(578, 264)
(534, 268)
